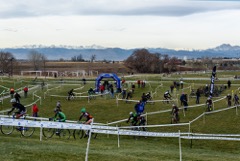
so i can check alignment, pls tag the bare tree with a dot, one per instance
(37, 59)
(142, 61)
(7, 61)
(93, 58)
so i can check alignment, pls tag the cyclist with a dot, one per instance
(91, 93)
(136, 120)
(86, 115)
(229, 100)
(59, 116)
(58, 105)
(21, 109)
(88, 121)
(139, 107)
(70, 94)
(167, 96)
(175, 114)
(236, 99)
(209, 104)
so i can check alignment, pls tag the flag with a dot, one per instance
(212, 81)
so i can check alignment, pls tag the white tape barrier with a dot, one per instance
(96, 129)
(209, 138)
(95, 95)
(113, 130)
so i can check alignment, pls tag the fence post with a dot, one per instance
(146, 118)
(189, 128)
(118, 137)
(41, 128)
(237, 110)
(89, 139)
(117, 100)
(180, 147)
(204, 118)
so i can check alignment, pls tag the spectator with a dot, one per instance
(171, 88)
(35, 110)
(25, 89)
(139, 83)
(129, 95)
(124, 93)
(133, 88)
(12, 92)
(84, 81)
(181, 84)
(229, 84)
(198, 96)
(182, 97)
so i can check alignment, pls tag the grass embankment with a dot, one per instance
(105, 109)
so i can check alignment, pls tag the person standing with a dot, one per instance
(198, 96)
(12, 92)
(25, 89)
(35, 110)
(229, 83)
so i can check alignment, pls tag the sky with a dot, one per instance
(173, 24)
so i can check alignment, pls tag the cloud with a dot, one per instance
(30, 8)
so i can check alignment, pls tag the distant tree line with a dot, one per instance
(143, 61)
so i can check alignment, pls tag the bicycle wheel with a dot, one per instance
(7, 130)
(27, 131)
(64, 133)
(78, 134)
(94, 135)
(48, 132)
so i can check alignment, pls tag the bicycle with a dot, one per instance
(83, 133)
(25, 131)
(137, 128)
(175, 118)
(167, 100)
(62, 133)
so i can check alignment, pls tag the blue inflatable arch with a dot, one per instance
(107, 75)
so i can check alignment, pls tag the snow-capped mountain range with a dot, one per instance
(117, 54)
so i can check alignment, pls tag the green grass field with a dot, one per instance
(105, 110)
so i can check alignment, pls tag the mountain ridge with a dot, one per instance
(66, 52)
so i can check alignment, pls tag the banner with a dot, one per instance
(212, 81)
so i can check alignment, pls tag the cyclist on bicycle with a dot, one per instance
(175, 114)
(21, 109)
(167, 95)
(86, 115)
(140, 107)
(91, 92)
(70, 94)
(59, 116)
(209, 104)
(136, 120)
(236, 99)
(229, 100)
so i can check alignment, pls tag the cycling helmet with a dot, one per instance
(173, 105)
(56, 110)
(130, 113)
(13, 100)
(83, 110)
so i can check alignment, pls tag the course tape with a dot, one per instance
(112, 130)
